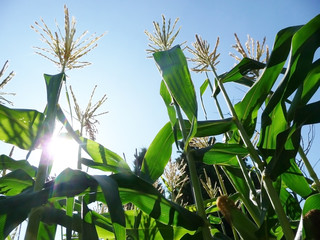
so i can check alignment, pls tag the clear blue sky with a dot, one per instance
(119, 64)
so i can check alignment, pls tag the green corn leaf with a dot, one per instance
(102, 158)
(307, 89)
(304, 43)
(11, 164)
(169, 103)
(224, 154)
(203, 88)
(19, 126)
(244, 226)
(70, 183)
(142, 194)
(290, 204)
(15, 209)
(247, 109)
(175, 72)
(308, 114)
(88, 226)
(112, 198)
(159, 151)
(73, 182)
(235, 176)
(238, 73)
(15, 182)
(158, 154)
(170, 108)
(142, 226)
(294, 180)
(46, 231)
(53, 84)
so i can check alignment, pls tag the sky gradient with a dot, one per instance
(119, 67)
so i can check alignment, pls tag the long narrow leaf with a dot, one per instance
(149, 200)
(175, 72)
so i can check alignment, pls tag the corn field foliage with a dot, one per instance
(279, 99)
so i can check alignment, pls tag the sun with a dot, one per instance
(64, 151)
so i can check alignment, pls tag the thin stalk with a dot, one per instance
(194, 178)
(312, 173)
(224, 189)
(224, 192)
(42, 173)
(273, 196)
(275, 201)
(241, 163)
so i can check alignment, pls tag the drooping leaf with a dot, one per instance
(102, 158)
(112, 198)
(15, 209)
(304, 43)
(19, 126)
(142, 194)
(308, 114)
(280, 138)
(158, 154)
(238, 73)
(15, 182)
(247, 109)
(224, 154)
(307, 89)
(11, 164)
(88, 226)
(290, 204)
(175, 72)
(159, 151)
(294, 179)
(70, 183)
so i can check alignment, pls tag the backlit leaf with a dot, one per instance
(19, 126)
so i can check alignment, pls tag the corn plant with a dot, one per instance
(267, 211)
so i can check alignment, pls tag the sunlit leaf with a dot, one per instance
(247, 109)
(11, 164)
(159, 151)
(102, 158)
(294, 179)
(112, 198)
(224, 154)
(142, 226)
(19, 126)
(175, 72)
(238, 73)
(15, 209)
(15, 182)
(142, 194)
